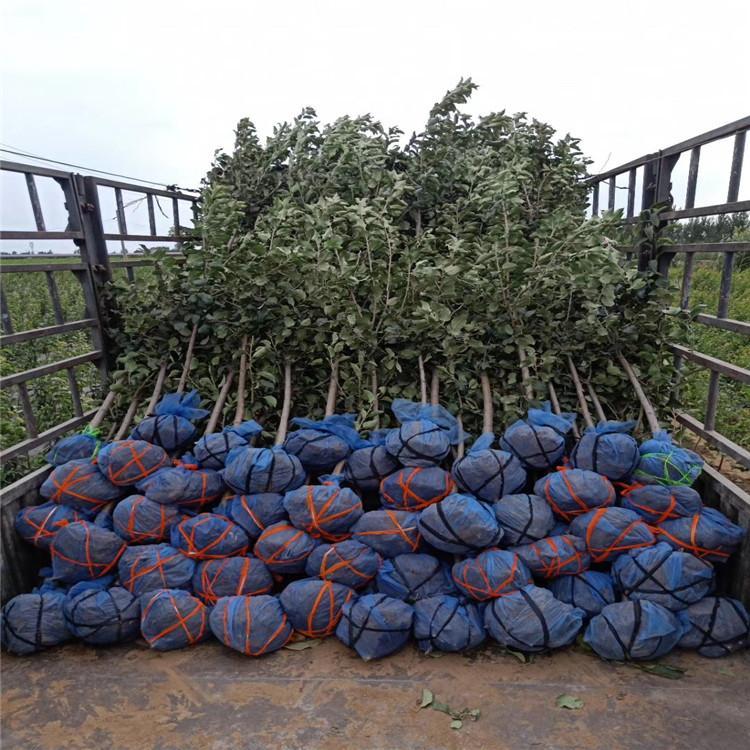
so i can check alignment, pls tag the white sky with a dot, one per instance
(150, 89)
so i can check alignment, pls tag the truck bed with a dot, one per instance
(76, 698)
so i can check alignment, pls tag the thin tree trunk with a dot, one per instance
(581, 395)
(488, 413)
(221, 399)
(422, 380)
(435, 388)
(157, 389)
(556, 407)
(648, 409)
(128, 418)
(601, 416)
(239, 412)
(375, 399)
(103, 409)
(525, 377)
(333, 389)
(286, 405)
(188, 361)
(460, 446)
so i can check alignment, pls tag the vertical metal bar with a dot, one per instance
(130, 274)
(176, 216)
(735, 173)
(595, 201)
(725, 290)
(121, 223)
(611, 197)
(72, 203)
(631, 193)
(687, 281)
(712, 403)
(36, 206)
(75, 392)
(194, 209)
(695, 157)
(151, 214)
(23, 393)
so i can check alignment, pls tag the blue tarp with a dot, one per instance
(80, 485)
(609, 449)
(349, 562)
(254, 512)
(231, 576)
(211, 451)
(638, 630)
(555, 556)
(254, 470)
(716, 626)
(326, 511)
(314, 606)
(173, 618)
(663, 462)
(321, 445)
(139, 520)
(490, 574)
(367, 466)
(709, 535)
(184, 485)
(283, 548)
(531, 619)
(610, 532)
(155, 566)
(375, 625)
(32, 622)
(523, 518)
(460, 524)
(572, 492)
(126, 462)
(590, 590)
(539, 440)
(102, 616)
(39, 524)
(252, 625)
(416, 487)
(388, 532)
(414, 576)
(657, 503)
(444, 623)
(487, 473)
(82, 551)
(84, 445)
(664, 575)
(209, 536)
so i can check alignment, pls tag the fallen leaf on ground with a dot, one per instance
(426, 698)
(301, 645)
(569, 701)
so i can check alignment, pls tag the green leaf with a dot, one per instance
(427, 698)
(302, 645)
(668, 671)
(569, 701)
(456, 724)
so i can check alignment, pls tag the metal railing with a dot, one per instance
(85, 228)
(654, 171)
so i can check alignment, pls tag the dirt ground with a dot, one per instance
(79, 698)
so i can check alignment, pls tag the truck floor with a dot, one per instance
(76, 698)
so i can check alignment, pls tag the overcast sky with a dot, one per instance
(150, 89)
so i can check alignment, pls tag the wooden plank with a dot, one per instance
(151, 214)
(611, 196)
(149, 237)
(14, 166)
(14, 234)
(735, 172)
(36, 206)
(595, 201)
(176, 216)
(134, 188)
(121, 222)
(725, 288)
(724, 444)
(631, 192)
(687, 281)
(728, 324)
(40, 267)
(38, 372)
(719, 208)
(695, 156)
(25, 447)
(40, 333)
(712, 363)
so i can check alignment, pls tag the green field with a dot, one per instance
(30, 307)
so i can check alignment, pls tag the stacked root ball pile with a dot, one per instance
(632, 566)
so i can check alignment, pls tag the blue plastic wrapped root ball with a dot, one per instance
(249, 471)
(443, 623)
(416, 487)
(425, 436)
(252, 625)
(664, 575)
(633, 631)
(79, 484)
(367, 466)
(523, 518)
(663, 462)
(139, 520)
(127, 462)
(709, 535)
(183, 485)
(283, 548)
(538, 441)
(209, 536)
(608, 449)
(314, 606)
(154, 566)
(102, 616)
(460, 524)
(410, 577)
(716, 626)
(388, 532)
(531, 619)
(490, 574)
(171, 426)
(254, 513)
(231, 576)
(82, 551)
(349, 562)
(656, 503)
(375, 625)
(325, 511)
(211, 451)
(172, 619)
(39, 524)
(321, 445)
(590, 591)
(486, 473)
(553, 556)
(32, 622)
(572, 492)
(84, 445)
(610, 532)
